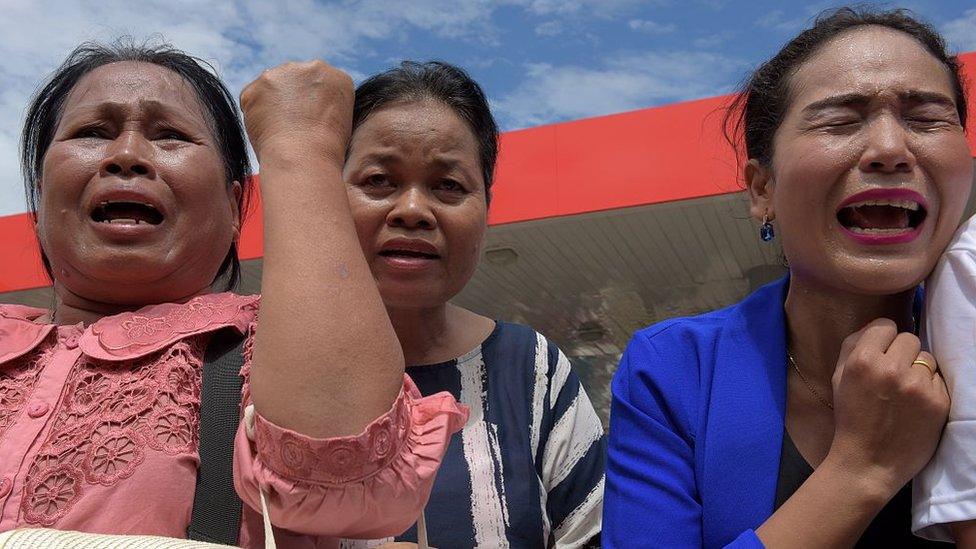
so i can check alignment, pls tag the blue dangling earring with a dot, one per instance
(766, 232)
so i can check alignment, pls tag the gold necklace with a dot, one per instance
(809, 385)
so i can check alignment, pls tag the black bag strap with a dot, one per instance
(216, 516)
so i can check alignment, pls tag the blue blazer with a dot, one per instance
(696, 428)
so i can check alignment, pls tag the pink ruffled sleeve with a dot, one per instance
(372, 485)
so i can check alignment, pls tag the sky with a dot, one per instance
(540, 61)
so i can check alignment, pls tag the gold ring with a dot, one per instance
(927, 366)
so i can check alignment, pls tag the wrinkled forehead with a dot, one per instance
(427, 125)
(870, 60)
(135, 85)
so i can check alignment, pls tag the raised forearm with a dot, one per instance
(326, 359)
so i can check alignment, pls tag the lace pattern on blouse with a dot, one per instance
(135, 389)
(17, 380)
(110, 414)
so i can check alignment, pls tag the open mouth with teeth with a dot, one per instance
(126, 213)
(882, 217)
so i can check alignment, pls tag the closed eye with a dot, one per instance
(840, 123)
(926, 122)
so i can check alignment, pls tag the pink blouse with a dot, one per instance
(98, 433)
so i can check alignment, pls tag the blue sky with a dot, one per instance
(540, 61)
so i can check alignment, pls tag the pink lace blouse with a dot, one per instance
(98, 433)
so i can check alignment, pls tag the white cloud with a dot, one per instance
(713, 41)
(598, 8)
(239, 38)
(622, 83)
(242, 38)
(961, 32)
(549, 28)
(650, 27)
(778, 20)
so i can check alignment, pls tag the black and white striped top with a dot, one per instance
(527, 469)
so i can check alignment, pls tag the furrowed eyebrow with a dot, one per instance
(116, 110)
(919, 96)
(860, 100)
(844, 100)
(381, 158)
(445, 163)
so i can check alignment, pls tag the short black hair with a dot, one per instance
(758, 109)
(444, 82)
(46, 106)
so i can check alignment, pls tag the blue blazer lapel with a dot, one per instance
(746, 410)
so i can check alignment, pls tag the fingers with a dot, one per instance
(873, 338)
(846, 349)
(940, 398)
(932, 370)
(903, 350)
(305, 105)
(878, 335)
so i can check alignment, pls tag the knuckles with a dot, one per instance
(862, 361)
(309, 94)
(294, 80)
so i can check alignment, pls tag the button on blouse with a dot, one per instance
(96, 422)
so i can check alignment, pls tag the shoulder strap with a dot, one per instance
(216, 516)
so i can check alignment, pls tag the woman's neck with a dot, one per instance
(820, 318)
(71, 308)
(429, 335)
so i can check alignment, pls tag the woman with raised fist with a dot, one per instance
(136, 166)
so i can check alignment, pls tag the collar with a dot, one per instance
(134, 334)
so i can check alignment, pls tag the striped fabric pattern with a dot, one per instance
(527, 469)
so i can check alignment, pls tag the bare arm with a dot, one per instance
(326, 359)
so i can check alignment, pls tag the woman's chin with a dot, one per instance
(888, 277)
(132, 283)
(399, 295)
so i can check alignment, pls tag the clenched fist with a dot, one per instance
(888, 411)
(297, 108)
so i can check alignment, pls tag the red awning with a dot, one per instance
(644, 157)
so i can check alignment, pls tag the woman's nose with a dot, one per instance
(888, 148)
(412, 210)
(129, 155)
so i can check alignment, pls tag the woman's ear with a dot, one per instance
(760, 185)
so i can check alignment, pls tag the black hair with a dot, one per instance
(758, 109)
(45, 109)
(451, 85)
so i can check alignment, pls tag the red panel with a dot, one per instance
(525, 176)
(20, 258)
(630, 159)
(644, 157)
(637, 158)
(252, 235)
(969, 74)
